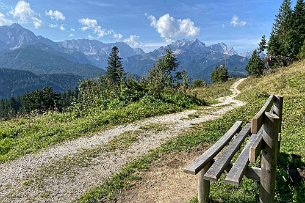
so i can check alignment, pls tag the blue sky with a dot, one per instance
(146, 24)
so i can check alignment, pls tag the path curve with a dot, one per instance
(22, 180)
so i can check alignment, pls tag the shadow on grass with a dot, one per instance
(290, 179)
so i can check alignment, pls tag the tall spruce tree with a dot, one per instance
(298, 32)
(279, 45)
(115, 70)
(263, 44)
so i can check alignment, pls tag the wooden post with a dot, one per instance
(278, 110)
(203, 185)
(269, 157)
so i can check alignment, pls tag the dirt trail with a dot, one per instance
(26, 179)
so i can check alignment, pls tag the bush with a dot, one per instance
(220, 74)
(199, 83)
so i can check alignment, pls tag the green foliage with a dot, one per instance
(256, 65)
(199, 83)
(220, 74)
(115, 71)
(263, 44)
(301, 54)
(288, 35)
(160, 76)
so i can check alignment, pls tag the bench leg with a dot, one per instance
(203, 186)
(269, 158)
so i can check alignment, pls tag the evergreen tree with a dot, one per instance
(220, 74)
(256, 65)
(115, 70)
(298, 32)
(279, 45)
(263, 44)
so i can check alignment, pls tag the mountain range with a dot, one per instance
(22, 50)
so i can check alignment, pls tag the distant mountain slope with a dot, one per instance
(16, 82)
(97, 52)
(22, 49)
(194, 56)
(41, 59)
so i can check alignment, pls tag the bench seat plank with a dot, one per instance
(239, 167)
(219, 165)
(209, 154)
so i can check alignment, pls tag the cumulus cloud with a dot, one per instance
(133, 41)
(55, 15)
(236, 22)
(24, 13)
(71, 35)
(37, 22)
(3, 20)
(170, 28)
(91, 24)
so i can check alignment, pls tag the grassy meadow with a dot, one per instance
(288, 82)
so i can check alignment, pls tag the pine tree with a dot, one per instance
(263, 44)
(298, 32)
(278, 46)
(256, 65)
(115, 70)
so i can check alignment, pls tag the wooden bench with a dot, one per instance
(264, 139)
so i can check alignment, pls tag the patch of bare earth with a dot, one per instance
(165, 181)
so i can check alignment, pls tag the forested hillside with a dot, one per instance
(15, 83)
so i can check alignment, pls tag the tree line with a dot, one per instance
(286, 43)
(115, 88)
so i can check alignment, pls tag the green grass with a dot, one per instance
(29, 134)
(288, 82)
(212, 92)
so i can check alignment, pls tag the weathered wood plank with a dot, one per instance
(218, 167)
(258, 119)
(239, 167)
(253, 173)
(208, 155)
(255, 148)
(269, 158)
(203, 185)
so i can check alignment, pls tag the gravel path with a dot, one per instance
(25, 180)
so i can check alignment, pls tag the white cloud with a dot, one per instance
(71, 35)
(23, 11)
(72, 30)
(133, 41)
(37, 22)
(91, 24)
(236, 22)
(55, 15)
(3, 20)
(62, 28)
(169, 28)
(25, 14)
